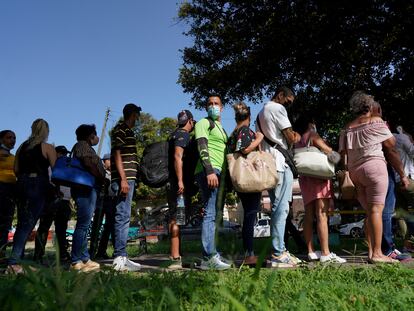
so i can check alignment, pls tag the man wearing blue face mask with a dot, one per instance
(211, 141)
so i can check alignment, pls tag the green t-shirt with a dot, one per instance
(217, 140)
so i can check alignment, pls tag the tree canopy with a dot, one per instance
(324, 50)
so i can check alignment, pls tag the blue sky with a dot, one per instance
(68, 60)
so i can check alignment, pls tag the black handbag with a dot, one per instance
(287, 153)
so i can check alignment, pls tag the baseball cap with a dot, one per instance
(106, 156)
(61, 149)
(184, 116)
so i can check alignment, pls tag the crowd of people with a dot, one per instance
(378, 157)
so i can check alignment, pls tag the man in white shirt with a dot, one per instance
(274, 123)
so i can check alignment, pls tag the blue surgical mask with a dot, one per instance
(214, 112)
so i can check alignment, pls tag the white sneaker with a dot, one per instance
(294, 259)
(313, 256)
(132, 265)
(332, 258)
(214, 263)
(119, 263)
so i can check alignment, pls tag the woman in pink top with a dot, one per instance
(316, 194)
(365, 140)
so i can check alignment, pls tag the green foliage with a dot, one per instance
(321, 288)
(324, 50)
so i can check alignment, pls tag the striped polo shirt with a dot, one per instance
(123, 139)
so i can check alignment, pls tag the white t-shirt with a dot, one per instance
(273, 119)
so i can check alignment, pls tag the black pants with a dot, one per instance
(7, 208)
(105, 208)
(251, 205)
(58, 211)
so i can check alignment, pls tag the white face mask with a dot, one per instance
(2, 146)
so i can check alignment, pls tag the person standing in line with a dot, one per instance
(7, 187)
(211, 143)
(316, 194)
(31, 166)
(124, 168)
(274, 123)
(366, 141)
(244, 140)
(108, 209)
(180, 181)
(85, 198)
(58, 210)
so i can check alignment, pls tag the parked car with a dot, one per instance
(353, 229)
(262, 228)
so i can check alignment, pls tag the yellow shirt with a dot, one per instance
(7, 169)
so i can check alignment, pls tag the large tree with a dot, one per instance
(324, 50)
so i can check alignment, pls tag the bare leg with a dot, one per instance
(367, 231)
(374, 215)
(175, 239)
(321, 209)
(308, 226)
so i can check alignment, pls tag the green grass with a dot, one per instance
(324, 288)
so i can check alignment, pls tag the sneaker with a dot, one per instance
(282, 261)
(175, 263)
(14, 269)
(396, 254)
(90, 266)
(314, 256)
(119, 263)
(131, 266)
(214, 263)
(332, 258)
(294, 259)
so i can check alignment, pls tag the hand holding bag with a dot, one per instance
(68, 171)
(253, 172)
(312, 162)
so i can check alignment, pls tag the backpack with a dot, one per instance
(155, 170)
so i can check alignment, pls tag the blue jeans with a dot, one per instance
(122, 218)
(280, 198)
(387, 241)
(86, 203)
(7, 207)
(208, 227)
(33, 191)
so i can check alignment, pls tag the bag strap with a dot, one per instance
(271, 143)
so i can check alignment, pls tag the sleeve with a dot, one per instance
(181, 139)
(244, 138)
(118, 138)
(407, 145)
(282, 118)
(202, 129)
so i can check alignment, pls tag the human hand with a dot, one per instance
(405, 182)
(124, 187)
(212, 181)
(180, 187)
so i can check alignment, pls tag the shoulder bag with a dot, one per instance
(312, 162)
(347, 190)
(254, 172)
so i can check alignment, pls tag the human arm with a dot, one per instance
(120, 168)
(393, 158)
(291, 136)
(49, 153)
(254, 144)
(202, 145)
(178, 166)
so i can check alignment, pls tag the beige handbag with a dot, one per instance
(346, 185)
(253, 172)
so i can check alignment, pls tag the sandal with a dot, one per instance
(14, 269)
(385, 260)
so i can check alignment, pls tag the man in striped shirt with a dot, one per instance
(124, 166)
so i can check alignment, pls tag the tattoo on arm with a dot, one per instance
(202, 145)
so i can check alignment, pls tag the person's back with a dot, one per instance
(32, 160)
(406, 150)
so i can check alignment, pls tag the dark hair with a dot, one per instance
(301, 124)
(242, 111)
(129, 109)
(4, 133)
(84, 131)
(284, 90)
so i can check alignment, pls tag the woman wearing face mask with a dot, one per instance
(31, 166)
(85, 199)
(7, 186)
(244, 140)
